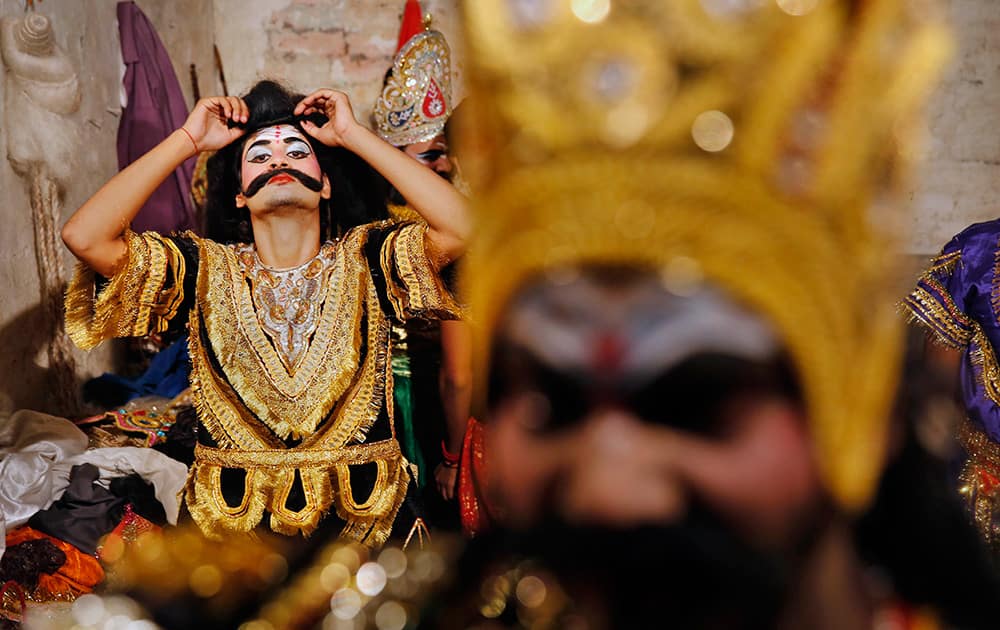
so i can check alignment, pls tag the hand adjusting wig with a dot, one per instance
(357, 191)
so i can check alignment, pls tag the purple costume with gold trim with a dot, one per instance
(958, 299)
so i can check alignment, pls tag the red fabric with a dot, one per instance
(476, 513)
(127, 531)
(413, 23)
(987, 481)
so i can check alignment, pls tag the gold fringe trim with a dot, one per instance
(995, 284)
(220, 410)
(374, 530)
(982, 495)
(421, 292)
(945, 263)
(135, 302)
(978, 445)
(296, 458)
(396, 296)
(208, 508)
(318, 491)
(983, 356)
(950, 326)
(270, 476)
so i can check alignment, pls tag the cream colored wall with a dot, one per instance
(307, 44)
(88, 32)
(959, 183)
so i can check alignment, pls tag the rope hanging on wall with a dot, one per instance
(43, 90)
(45, 210)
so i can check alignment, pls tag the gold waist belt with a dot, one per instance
(296, 458)
(325, 477)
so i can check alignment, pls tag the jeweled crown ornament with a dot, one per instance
(758, 146)
(416, 99)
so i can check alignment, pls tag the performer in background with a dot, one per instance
(411, 113)
(957, 300)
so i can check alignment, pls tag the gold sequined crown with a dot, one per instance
(416, 99)
(756, 145)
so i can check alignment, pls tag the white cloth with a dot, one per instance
(37, 452)
(31, 444)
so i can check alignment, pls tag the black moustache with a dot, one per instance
(261, 180)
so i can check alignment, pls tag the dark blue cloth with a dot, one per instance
(168, 374)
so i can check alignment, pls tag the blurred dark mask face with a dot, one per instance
(433, 154)
(617, 407)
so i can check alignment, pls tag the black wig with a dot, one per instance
(357, 193)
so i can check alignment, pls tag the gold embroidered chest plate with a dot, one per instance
(262, 383)
(287, 300)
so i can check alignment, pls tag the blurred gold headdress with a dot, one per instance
(755, 145)
(416, 99)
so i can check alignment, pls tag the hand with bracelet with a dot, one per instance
(215, 122)
(446, 473)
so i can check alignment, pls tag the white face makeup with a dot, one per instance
(278, 146)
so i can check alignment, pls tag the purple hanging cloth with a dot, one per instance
(155, 108)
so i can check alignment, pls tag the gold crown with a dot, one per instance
(416, 100)
(757, 145)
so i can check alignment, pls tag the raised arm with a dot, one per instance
(441, 206)
(95, 231)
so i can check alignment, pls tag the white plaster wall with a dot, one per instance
(87, 30)
(308, 44)
(187, 29)
(959, 181)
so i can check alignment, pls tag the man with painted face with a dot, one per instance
(287, 304)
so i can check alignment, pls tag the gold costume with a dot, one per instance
(279, 401)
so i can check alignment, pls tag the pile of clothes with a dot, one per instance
(71, 490)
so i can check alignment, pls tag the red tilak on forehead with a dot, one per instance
(277, 132)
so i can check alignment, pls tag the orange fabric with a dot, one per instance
(476, 513)
(77, 576)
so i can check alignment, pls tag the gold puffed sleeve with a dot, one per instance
(141, 298)
(413, 284)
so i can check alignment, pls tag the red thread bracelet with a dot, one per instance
(191, 138)
(450, 459)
